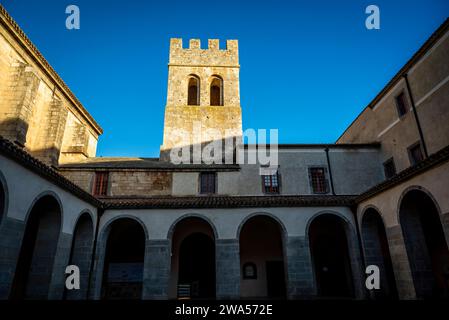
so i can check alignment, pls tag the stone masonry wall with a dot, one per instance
(128, 183)
(183, 121)
(34, 106)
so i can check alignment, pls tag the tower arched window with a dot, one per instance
(193, 93)
(216, 91)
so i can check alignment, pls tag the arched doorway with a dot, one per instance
(425, 243)
(330, 255)
(262, 259)
(36, 258)
(377, 253)
(81, 255)
(193, 260)
(124, 260)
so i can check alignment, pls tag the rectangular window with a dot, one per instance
(207, 182)
(318, 180)
(401, 104)
(415, 153)
(101, 184)
(389, 168)
(270, 183)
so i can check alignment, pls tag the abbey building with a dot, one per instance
(150, 228)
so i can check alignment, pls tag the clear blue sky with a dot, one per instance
(307, 67)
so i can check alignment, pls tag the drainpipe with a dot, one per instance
(415, 113)
(94, 251)
(331, 180)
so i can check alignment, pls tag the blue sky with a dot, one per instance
(307, 67)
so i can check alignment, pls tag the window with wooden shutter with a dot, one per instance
(207, 182)
(101, 184)
(318, 180)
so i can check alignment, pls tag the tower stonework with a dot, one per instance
(203, 94)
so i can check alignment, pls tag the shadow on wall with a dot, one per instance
(15, 130)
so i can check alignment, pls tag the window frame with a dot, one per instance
(200, 190)
(410, 153)
(198, 90)
(405, 102)
(245, 275)
(221, 93)
(278, 177)
(326, 180)
(103, 189)
(385, 164)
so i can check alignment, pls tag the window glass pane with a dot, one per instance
(270, 183)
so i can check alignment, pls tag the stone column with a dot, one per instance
(11, 235)
(227, 253)
(97, 270)
(358, 274)
(300, 277)
(156, 273)
(445, 223)
(61, 261)
(401, 266)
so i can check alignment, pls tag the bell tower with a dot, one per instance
(203, 97)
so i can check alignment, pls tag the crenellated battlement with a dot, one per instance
(194, 55)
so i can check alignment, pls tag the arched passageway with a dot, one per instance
(2, 201)
(193, 260)
(124, 260)
(81, 255)
(377, 253)
(425, 243)
(262, 259)
(36, 258)
(330, 255)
